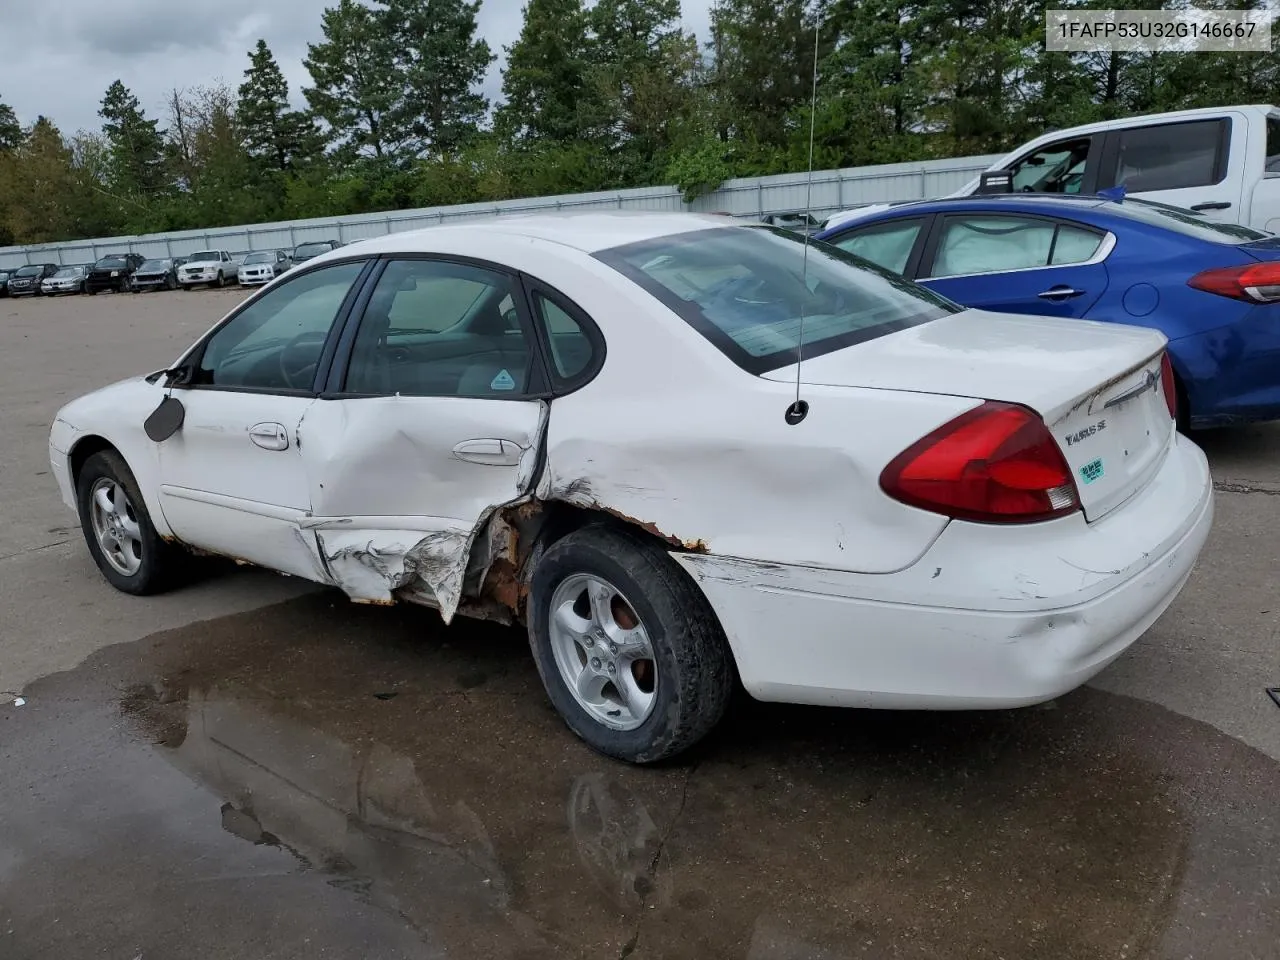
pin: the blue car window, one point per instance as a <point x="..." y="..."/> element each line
<point x="991" y="245"/>
<point x="1074" y="245"/>
<point x="886" y="244"/>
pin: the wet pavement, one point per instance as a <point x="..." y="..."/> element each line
<point x="316" y="779"/>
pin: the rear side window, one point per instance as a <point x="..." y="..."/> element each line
<point x="1273" y="146"/>
<point x="1171" y="156"/>
<point x="748" y="290"/>
<point x="887" y="245"/>
<point x="984" y="244"/>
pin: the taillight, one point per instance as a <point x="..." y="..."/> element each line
<point x="1256" y="283"/>
<point x="1169" y="385"/>
<point x="997" y="463"/>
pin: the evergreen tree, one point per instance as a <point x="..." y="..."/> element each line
<point x="274" y="134"/>
<point x="545" y="74"/>
<point x="137" y="147"/>
<point x="10" y="129"/>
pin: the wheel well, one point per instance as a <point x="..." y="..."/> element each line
<point x="85" y="448"/>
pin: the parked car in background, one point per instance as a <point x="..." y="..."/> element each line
<point x="305" y="251"/>
<point x="5" y="274"/>
<point x="263" y="266"/>
<point x="66" y="280"/>
<point x="160" y="274"/>
<point x="26" y="281"/>
<point x="801" y="223"/>
<point x="1221" y="161"/>
<point x="1007" y="548"/>
<point x="1212" y="288"/>
<point x="217" y="268"/>
<point x="113" y="272"/>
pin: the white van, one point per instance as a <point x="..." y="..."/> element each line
<point x="1223" y="162"/>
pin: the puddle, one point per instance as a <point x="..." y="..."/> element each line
<point x="321" y="779"/>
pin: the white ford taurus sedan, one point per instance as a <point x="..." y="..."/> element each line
<point x="589" y="424"/>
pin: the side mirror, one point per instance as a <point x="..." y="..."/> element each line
<point x="165" y="420"/>
<point x="996" y="181"/>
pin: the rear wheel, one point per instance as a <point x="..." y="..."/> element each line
<point x="118" y="529"/>
<point x="629" y="650"/>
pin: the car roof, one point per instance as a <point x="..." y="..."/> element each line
<point x="1048" y="204"/>
<point x="588" y="231"/>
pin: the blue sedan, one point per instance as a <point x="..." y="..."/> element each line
<point x="1212" y="288"/>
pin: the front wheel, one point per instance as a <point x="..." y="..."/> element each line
<point x="118" y="529"/>
<point x="222" y="280"/>
<point x="629" y="650"/>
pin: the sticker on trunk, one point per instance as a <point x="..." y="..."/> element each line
<point x="1091" y="471"/>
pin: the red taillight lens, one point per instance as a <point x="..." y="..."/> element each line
<point x="995" y="464"/>
<point x="1169" y="385"/>
<point x="1256" y="283"/>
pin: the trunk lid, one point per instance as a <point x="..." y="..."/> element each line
<point x="1096" y="385"/>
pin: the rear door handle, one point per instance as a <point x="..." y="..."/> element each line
<point x="1211" y="205"/>
<point x="1060" y="293"/>
<point x="496" y="453"/>
<point x="269" y="436"/>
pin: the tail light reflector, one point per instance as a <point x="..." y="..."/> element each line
<point x="1255" y="283"/>
<point x="997" y="463"/>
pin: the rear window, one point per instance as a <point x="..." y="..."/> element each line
<point x="1189" y="222"/>
<point x="747" y="290"/>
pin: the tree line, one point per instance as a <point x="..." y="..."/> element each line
<point x="594" y="97"/>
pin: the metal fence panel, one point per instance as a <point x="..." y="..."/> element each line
<point x="828" y="191"/>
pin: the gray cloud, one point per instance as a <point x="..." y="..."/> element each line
<point x="63" y="66"/>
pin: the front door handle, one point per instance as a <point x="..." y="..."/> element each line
<point x="496" y="453"/>
<point x="1212" y="205"/>
<point x="269" y="436"/>
<point x="1060" y="293"/>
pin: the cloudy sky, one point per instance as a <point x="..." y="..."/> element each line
<point x="63" y="62"/>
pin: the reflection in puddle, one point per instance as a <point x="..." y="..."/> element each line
<point x="468" y="816"/>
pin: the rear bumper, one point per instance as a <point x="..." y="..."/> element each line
<point x="989" y="617"/>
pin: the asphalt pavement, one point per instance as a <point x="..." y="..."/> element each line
<point x="254" y="768"/>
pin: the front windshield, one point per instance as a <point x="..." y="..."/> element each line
<point x="259" y="258"/>
<point x="110" y="263"/>
<point x="28" y="272"/>
<point x="203" y="255"/>
<point x="750" y="292"/>
<point x="311" y="250"/>
<point x="66" y="273"/>
<point x="154" y="265"/>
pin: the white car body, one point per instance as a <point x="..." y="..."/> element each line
<point x="1228" y="176"/>
<point x="829" y="590"/>
<point x="219" y="270"/>
<point x="252" y="274"/>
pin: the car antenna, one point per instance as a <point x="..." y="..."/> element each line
<point x="799" y="409"/>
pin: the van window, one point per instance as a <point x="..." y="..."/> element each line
<point x="1171" y="156"/>
<point x="1057" y="168"/>
<point x="1273" y="146"/>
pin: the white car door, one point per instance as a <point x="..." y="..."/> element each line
<point x="232" y="479"/>
<point x="436" y="420"/>
<point x="1198" y="164"/>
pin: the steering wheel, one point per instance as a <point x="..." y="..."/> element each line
<point x="298" y="368"/>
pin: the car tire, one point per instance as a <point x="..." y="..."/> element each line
<point x="690" y="672"/>
<point x="221" y="281"/>
<point x="130" y="553"/>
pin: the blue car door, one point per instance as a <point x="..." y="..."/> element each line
<point x="1017" y="263"/>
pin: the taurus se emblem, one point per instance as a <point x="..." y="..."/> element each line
<point x="1150" y="381"/>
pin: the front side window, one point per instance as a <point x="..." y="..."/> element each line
<point x="887" y="245"/>
<point x="985" y="244"/>
<point x="276" y="341"/>
<point x="436" y="328"/>
<point x="1170" y="156"/>
<point x="1058" y="168"/>
<point x="751" y="293"/>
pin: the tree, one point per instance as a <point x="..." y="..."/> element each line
<point x="356" y="91"/>
<point x="38" y="182"/>
<point x="441" y="64"/>
<point x="545" y="74"/>
<point x="274" y="134"/>
<point x="137" y="147"/>
<point x="10" y="129"/>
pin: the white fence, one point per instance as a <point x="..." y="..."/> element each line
<point x="833" y="190"/>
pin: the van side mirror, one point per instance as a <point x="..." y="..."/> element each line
<point x="996" y="181"/>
